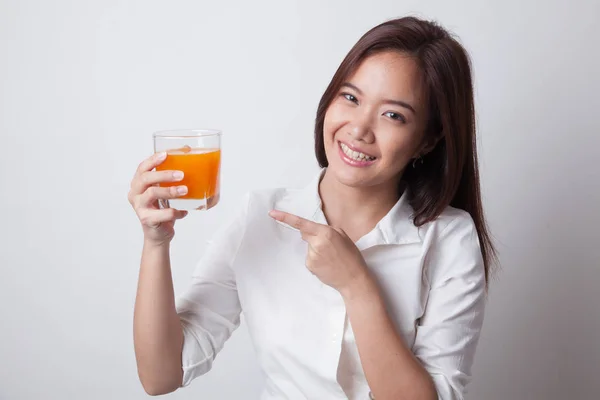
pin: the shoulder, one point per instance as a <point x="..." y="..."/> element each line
<point x="453" y="247"/>
<point x="450" y="222"/>
<point x="270" y="196"/>
<point x="267" y="199"/>
<point x="249" y="215"/>
<point x="260" y="201"/>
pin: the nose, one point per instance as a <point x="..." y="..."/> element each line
<point x="361" y="127"/>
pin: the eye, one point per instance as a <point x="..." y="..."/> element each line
<point x="396" y="116"/>
<point x="350" y="97"/>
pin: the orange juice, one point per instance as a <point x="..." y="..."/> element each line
<point x="200" y="171"/>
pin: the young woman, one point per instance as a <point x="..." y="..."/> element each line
<point x="368" y="283"/>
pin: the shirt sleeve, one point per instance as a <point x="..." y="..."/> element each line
<point x="448" y="332"/>
<point x="209" y="308"/>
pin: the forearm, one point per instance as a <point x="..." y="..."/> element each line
<point x="158" y="335"/>
<point x="391" y="369"/>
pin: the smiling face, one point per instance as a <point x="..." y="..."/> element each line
<point x="375" y="124"/>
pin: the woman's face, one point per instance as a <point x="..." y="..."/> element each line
<point x="375" y="125"/>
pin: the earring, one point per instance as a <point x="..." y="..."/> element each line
<point x="419" y="159"/>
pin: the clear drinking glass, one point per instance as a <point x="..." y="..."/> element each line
<point x="196" y="152"/>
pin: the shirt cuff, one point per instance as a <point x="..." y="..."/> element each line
<point x="194" y="361"/>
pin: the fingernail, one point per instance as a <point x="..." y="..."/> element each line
<point x="178" y="175"/>
<point x="182" y="189"/>
<point x="162" y="155"/>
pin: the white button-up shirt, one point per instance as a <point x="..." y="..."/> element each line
<point x="431" y="278"/>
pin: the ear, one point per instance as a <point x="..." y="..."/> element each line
<point x="430" y="144"/>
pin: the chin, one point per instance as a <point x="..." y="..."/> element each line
<point x="350" y="179"/>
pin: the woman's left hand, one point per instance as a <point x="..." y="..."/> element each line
<point x="332" y="256"/>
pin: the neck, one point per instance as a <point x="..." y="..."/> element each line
<point x="356" y="210"/>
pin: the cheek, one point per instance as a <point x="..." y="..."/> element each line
<point x="398" y="149"/>
<point x="334" y="119"/>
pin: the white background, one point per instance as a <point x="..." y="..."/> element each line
<point x="84" y="84"/>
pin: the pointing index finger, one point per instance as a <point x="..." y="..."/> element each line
<point x="303" y="225"/>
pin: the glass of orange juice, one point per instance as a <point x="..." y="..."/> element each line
<point x="197" y="153"/>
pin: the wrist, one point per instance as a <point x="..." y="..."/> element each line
<point x="157" y="245"/>
<point x="361" y="287"/>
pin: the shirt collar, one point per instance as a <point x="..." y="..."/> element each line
<point x="396" y="227"/>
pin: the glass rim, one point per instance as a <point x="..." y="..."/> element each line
<point x="186" y="133"/>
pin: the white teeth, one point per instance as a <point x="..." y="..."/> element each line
<point x="355" y="155"/>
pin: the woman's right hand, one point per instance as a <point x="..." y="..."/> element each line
<point x="157" y="224"/>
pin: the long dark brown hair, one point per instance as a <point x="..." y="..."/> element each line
<point x="448" y="175"/>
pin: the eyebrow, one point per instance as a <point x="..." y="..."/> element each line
<point x="387" y="101"/>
